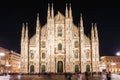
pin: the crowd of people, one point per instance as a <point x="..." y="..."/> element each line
<point x="79" y="75"/>
<point x="104" y="75"/>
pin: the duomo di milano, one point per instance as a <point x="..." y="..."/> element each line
<point x="59" y="45"/>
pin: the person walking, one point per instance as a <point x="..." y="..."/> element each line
<point x="69" y="75"/>
<point x="108" y="75"/>
<point x="103" y="76"/>
<point x="79" y="77"/>
<point x="19" y="76"/>
<point x="86" y="75"/>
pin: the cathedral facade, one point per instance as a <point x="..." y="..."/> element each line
<point x="59" y="45"/>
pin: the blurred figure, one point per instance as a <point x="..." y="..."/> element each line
<point x="86" y="75"/>
<point x="109" y="75"/>
<point x="103" y="75"/>
<point x="69" y="76"/>
<point x="79" y="76"/>
<point x="19" y="76"/>
<point x="8" y="76"/>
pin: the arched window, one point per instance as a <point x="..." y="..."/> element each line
<point x="32" y="56"/>
<point x="76" y="44"/>
<point x="59" y="31"/>
<point x="43" y="55"/>
<point x="43" y="44"/>
<point x="59" y="46"/>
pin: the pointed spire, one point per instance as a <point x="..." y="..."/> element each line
<point x="92" y="32"/>
<point x="81" y="20"/>
<point x="26" y="26"/>
<point x="81" y="23"/>
<point x="38" y="24"/>
<point x="96" y="32"/>
<point x="70" y="11"/>
<point x="26" y="33"/>
<point x="48" y="11"/>
<point x="52" y="12"/>
<point x="38" y="21"/>
<point x="66" y="11"/>
<point x="23" y="31"/>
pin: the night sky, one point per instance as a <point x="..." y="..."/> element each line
<point x="105" y="14"/>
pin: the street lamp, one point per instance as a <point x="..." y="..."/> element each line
<point x="118" y="53"/>
<point x="1" y="55"/>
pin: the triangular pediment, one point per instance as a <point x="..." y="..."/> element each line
<point x="59" y="17"/>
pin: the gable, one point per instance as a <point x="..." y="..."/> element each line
<point x="59" y="18"/>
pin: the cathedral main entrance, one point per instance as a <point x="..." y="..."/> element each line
<point x="60" y="66"/>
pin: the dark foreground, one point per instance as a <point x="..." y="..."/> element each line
<point x="50" y="77"/>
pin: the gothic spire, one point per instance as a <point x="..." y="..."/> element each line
<point x="52" y="12"/>
<point x="48" y="11"/>
<point x="81" y="22"/>
<point x="26" y="32"/>
<point x="92" y="33"/>
<point x="38" y="24"/>
<point x="96" y="32"/>
<point x="38" y="21"/>
<point x="66" y="11"/>
<point x="70" y="11"/>
<point x="23" y="31"/>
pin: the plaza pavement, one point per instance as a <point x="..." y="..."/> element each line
<point x="52" y="77"/>
<point x="115" y="77"/>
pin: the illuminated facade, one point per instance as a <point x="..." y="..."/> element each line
<point x="10" y="62"/>
<point x="59" y="45"/>
<point x="14" y="61"/>
<point x="3" y="59"/>
<point x="111" y="63"/>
